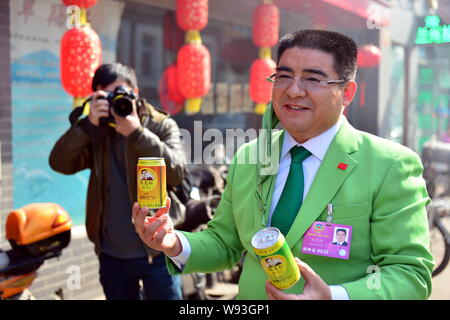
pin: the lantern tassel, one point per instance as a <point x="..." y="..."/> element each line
<point x="260" y="108"/>
<point x="193" y="105"/>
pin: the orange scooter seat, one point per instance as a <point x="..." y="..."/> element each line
<point x="37" y="223"/>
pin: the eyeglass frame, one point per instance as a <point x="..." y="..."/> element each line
<point x="324" y="83"/>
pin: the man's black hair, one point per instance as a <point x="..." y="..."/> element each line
<point x="343" y="230"/>
<point x="108" y="73"/>
<point x="341" y="47"/>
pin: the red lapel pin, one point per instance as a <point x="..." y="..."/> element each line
<point x="342" y="166"/>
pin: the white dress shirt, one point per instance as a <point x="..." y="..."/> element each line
<point x="318" y="146"/>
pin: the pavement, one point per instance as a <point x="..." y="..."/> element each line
<point x="441" y="286"/>
<point x="441" y="282"/>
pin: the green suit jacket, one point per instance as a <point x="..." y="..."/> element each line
<point x="381" y="194"/>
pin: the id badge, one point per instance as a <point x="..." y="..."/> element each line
<point x="328" y="240"/>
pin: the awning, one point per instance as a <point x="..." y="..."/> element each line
<point x="348" y="13"/>
<point x="367" y="9"/>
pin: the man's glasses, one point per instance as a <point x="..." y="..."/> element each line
<point x="283" y="81"/>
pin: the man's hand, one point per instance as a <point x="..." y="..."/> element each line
<point x="99" y="107"/>
<point x="315" y="287"/>
<point x="126" y="125"/>
<point x="157" y="232"/>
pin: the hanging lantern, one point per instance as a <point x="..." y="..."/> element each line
<point x="170" y="76"/>
<point x="83" y="4"/>
<point x="369" y="56"/>
<point x="194" y="61"/>
<point x="192" y="14"/>
<point x="169" y="96"/>
<point x="266" y="22"/>
<point x="260" y="88"/>
<point x="80" y="3"/>
<point x="173" y="36"/>
<point x="193" y="74"/>
<point x="80" y="56"/>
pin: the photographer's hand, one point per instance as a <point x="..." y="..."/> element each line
<point x="126" y="125"/>
<point x="99" y="108"/>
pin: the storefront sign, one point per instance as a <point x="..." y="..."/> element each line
<point x="433" y="32"/>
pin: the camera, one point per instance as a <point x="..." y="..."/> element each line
<point x="121" y="101"/>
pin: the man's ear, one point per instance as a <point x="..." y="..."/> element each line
<point x="136" y="91"/>
<point x="349" y="92"/>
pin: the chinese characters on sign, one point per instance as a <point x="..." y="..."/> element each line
<point x="433" y="32"/>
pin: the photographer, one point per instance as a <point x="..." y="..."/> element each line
<point x="120" y="128"/>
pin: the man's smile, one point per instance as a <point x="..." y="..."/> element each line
<point x="294" y="107"/>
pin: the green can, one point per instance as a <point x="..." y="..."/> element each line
<point x="276" y="258"/>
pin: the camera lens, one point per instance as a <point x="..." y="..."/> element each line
<point x="122" y="106"/>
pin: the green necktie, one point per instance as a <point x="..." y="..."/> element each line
<point x="292" y="196"/>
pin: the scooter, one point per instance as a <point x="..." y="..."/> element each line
<point x="36" y="232"/>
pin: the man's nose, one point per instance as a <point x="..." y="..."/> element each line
<point x="296" y="89"/>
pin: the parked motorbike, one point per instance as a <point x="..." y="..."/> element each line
<point x="36" y="232"/>
<point x="208" y="185"/>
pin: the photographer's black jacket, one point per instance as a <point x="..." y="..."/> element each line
<point x="83" y="146"/>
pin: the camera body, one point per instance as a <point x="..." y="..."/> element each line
<point x="121" y="101"/>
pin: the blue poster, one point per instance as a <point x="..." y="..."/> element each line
<point x="40" y="110"/>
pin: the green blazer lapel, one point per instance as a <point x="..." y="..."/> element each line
<point x="266" y="182"/>
<point x="327" y="182"/>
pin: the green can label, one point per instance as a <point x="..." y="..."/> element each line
<point x="276" y="258"/>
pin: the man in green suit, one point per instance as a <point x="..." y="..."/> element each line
<point x="373" y="185"/>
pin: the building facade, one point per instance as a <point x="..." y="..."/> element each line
<point x="399" y="98"/>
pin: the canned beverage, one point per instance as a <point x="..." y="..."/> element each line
<point x="151" y="183"/>
<point x="276" y="258"/>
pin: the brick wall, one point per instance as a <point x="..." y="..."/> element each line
<point x="5" y="119"/>
<point x="75" y="272"/>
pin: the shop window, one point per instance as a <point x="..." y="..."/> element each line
<point x="148" y="54"/>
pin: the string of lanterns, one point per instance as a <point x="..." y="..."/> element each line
<point x="188" y="78"/>
<point x="193" y="69"/>
<point x="80" y="54"/>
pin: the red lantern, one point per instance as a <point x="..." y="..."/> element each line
<point x="81" y="3"/>
<point x="266" y="22"/>
<point x="169" y="96"/>
<point x="173" y="36"/>
<point x="194" y="70"/>
<point x="81" y="54"/>
<point x="192" y="14"/>
<point x="260" y="88"/>
<point x="172" y="84"/>
<point x="369" y="56"/>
